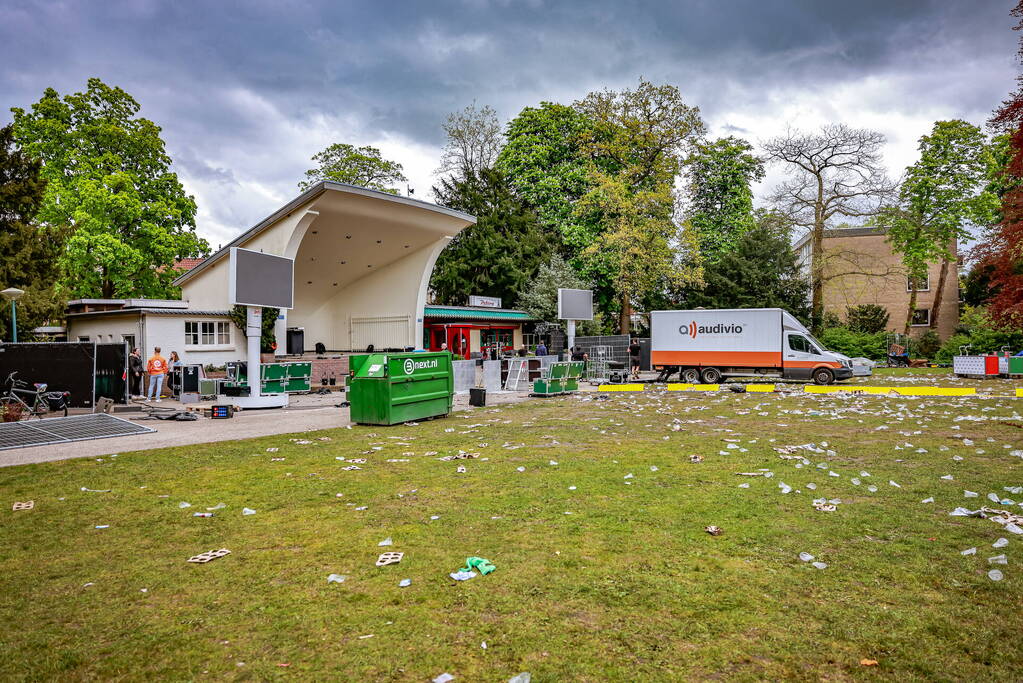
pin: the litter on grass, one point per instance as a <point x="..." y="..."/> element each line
<point x="480" y="564"/>
<point x="248" y="511"/>
<point x="336" y="578"/>
<point x="387" y="541"/>
<point x="389" y="558"/>
<point x="209" y="555"/>
<point x="462" y="576"/>
<point x="714" y="530"/>
<point x="27" y="505"/>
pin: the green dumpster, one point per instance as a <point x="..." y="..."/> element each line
<point x="391" y="388"/>
<point x="1016" y="365"/>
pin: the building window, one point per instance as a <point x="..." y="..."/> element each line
<point x="83" y="339"/>
<point x="207" y="333"/>
<point x="921" y="317"/>
<point x="923" y="284"/>
<point x="129" y="339"/>
<point x="501" y="339"/>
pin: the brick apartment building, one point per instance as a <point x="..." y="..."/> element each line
<point x="861" y="268"/>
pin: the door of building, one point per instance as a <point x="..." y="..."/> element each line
<point x="458" y="341"/>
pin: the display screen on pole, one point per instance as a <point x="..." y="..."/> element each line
<point x="575" y="304"/>
<point x="258" y="279"/>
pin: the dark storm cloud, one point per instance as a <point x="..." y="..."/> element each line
<point x="220" y="77"/>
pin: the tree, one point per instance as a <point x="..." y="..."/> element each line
<point x="28" y="253"/>
<point x="474" y="140"/>
<point x="760" y="271"/>
<point x="1002" y="247"/>
<point x="267" y="337"/>
<point x="867" y="318"/>
<point x="109" y="185"/>
<point x="940" y="195"/>
<point x="836" y="172"/>
<point x="540" y="296"/>
<point x="720" y="198"/>
<point x="634" y="153"/>
<point x="362" y="166"/>
<point x="500" y="254"/>
<point x="544" y="163"/>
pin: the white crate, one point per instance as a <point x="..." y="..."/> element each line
<point x="968" y="365"/>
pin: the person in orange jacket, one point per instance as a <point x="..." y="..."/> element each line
<point x="156" y="368"/>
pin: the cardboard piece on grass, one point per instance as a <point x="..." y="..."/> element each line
<point x="27" y="505"/>
<point x="389" y="558"/>
<point x="209" y="555"/>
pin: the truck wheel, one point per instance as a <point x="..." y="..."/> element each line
<point x="823" y="376"/>
<point x="691" y="375"/>
<point x="711" y="375"/>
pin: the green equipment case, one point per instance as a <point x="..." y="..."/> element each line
<point x="392" y="388"/>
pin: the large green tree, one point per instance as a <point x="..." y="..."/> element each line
<point x="110" y="185"/>
<point x="720" y="195"/>
<point x="497" y="256"/>
<point x="544" y="163"/>
<point x="28" y="252"/>
<point x="362" y="166"/>
<point x="942" y="194"/>
<point x="760" y="271"/>
<point x="633" y="153"/>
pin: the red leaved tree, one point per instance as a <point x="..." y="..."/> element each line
<point x="1002" y="248"/>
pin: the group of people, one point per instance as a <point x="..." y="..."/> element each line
<point x="155" y="369"/>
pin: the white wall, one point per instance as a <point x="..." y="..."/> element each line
<point x="165" y="331"/>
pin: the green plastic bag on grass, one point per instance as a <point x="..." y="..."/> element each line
<point x="480" y="564"/>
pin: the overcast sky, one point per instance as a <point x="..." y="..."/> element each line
<point x="247" y="92"/>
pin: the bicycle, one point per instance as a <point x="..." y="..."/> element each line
<point x="37" y="402"/>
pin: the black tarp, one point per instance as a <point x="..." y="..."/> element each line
<point x="64" y="366"/>
<point x="85" y="369"/>
<point x="111" y="371"/>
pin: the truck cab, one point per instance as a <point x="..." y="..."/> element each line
<point x="805" y="358"/>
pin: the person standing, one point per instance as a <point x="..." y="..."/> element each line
<point x="173" y="365"/>
<point x="541" y="349"/>
<point x="156" y="368"/>
<point x="634" y="358"/>
<point x="135" y="369"/>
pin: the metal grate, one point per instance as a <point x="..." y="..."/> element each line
<point x="54" y="430"/>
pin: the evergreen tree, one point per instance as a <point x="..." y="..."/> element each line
<point x="28" y="253"/>
<point x="760" y="272"/>
<point x="498" y="255"/>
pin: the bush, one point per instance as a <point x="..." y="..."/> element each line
<point x="868" y="318"/>
<point x="978" y="331"/>
<point x="927" y="345"/>
<point x="855" y="344"/>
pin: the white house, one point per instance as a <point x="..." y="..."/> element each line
<point x="363" y="261"/>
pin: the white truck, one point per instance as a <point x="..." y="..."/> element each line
<point x="707" y="345"/>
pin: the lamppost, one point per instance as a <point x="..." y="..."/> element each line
<point x="12" y="294"/>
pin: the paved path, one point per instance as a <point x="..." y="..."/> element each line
<point x="307" y="413"/>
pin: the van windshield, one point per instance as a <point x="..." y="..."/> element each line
<point x="821" y="349"/>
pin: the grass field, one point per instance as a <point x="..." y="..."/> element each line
<point x="614" y="580"/>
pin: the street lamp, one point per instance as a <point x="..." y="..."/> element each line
<point x="12" y="294"/>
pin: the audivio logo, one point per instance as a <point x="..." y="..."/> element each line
<point x="413" y="365"/>
<point x="692" y="329"/>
